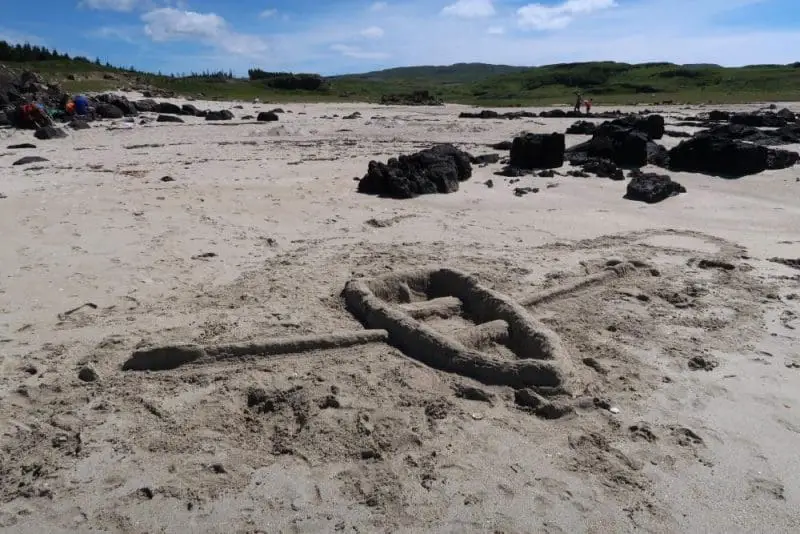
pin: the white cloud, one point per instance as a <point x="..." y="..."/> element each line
<point x="378" y="6"/>
<point x="470" y="9"/>
<point x="125" y="34"/>
<point x="373" y="32"/>
<point x="267" y="13"/>
<point x="356" y="52"/>
<point x="169" y="24"/>
<point x="112" y="5"/>
<point x="542" y="17"/>
<point x="496" y="30"/>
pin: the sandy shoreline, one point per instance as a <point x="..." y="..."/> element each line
<point x="276" y="204"/>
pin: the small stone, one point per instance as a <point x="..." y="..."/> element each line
<point x="167" y="179"/>
<point x="88" y="374"/>
<point x="330" y="402"/>
<point x="218" y="469"/>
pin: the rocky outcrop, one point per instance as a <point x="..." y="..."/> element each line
<point x="582" y="128"/>
<point x="603" y="169"/>
<point x="267" y="116"/>
<point x="222" y="115"/>
<point x="49" y="132"/>
<point x="435" y="170"/>
<point x="719" y="156"/>
<point x="127" y="107"/>
<point x="651" y="125"/>
<point x="622" y="146"/>
<point x="146" y="105"/>
<point x="108" y="111"/>
<point x="652" y="187"/>
<point x="537" y="151"/>
<point x="168" y="108"/>
<point x="489" y="114"/>
<point x="169" y="118"/>
<point x="191" y="110"/>
<point x="758" y="120"/>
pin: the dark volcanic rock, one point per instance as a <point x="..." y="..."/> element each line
<point x="758" y="120"/>
<point x="561" y="114"/>
<point x="484" y="159"/>
<point x="222" y="115"/>
<point x="191" y="110"/>
<point x="489" y="114"/>
<point x="676" y="133"/>
<point x="20" y="146"/>
<point x="538" y="151"/>
<point x="49" y="132"/>
<point x="719" y="156"/>
<point x="128" y="108"/>
<point x="434" y="170"/>
<point x="652" y="125"/>
<point x="785" y="135"/>
<point x="168" y="118"/>
<point x="267" y="116"/>
<point x="415" y="98"/>
<point x="168" y="108"/>
<point x="717" y="115"/>
<point x="485" y="114"/>
<point x="604" y="169"/>
<point x="502" y="145"/>
<point x="787" y="115"/>
<point x="77" y="124"/>
<point x="652" y="187"/>
<point x="27" y="160"/>
<point x="4" y="121"/>
<point x="582" y="128"/>
<point x="146" y="105"/>
<point x="108" y="111"/>
<point x="623" y="146"/>
<point x="781" y="159"/>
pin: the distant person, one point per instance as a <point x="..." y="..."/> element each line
<point x="578" y="101"/>
<point x="588" y="105"/>
<point x="81" y="105"/>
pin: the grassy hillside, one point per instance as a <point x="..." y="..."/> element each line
<point x="459" y="73"/>
<point x="471" y="83"/>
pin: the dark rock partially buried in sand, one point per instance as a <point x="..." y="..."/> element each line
<point x="785" y="135"/>
<point x="484" y="159"/>
<point x="759" y="120"/>
<point x="109" y="111"/>
<point x="718" y="156"/>
<point x="146" y="105"/>
<point x="168" y="108"/>
<point x="651" y="187"/>
<point x="191" y="110"/>
<point x="537" y="151"/>
<point x="582" y="128"/>
<point x="489" y="114"/>
<point x="434" y="170"/>
<point x="222" y="115"/>
<point x="49" y="132"/>
<point x="623" y="146"/>
<point x="652" y="125"/>
<point x="604" y="169"/>
<point x="169" y="118"/>
<point x="267" y="116"/>
<point x="77" y="124"/>
<point x="27" y="160"/>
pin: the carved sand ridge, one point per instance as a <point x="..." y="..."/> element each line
<point x="393" y="308"/>
<point x="396" y="302"/>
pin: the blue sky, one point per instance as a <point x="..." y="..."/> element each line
<point x="341" y="36"/>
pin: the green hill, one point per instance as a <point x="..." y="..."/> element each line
<point x="477" y="84"/>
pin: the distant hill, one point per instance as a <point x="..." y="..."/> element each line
<point x="457" y="73"/>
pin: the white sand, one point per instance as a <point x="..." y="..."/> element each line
<point x="277" y="204"/>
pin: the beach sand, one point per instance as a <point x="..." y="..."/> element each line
<point x="685" y="376"/>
